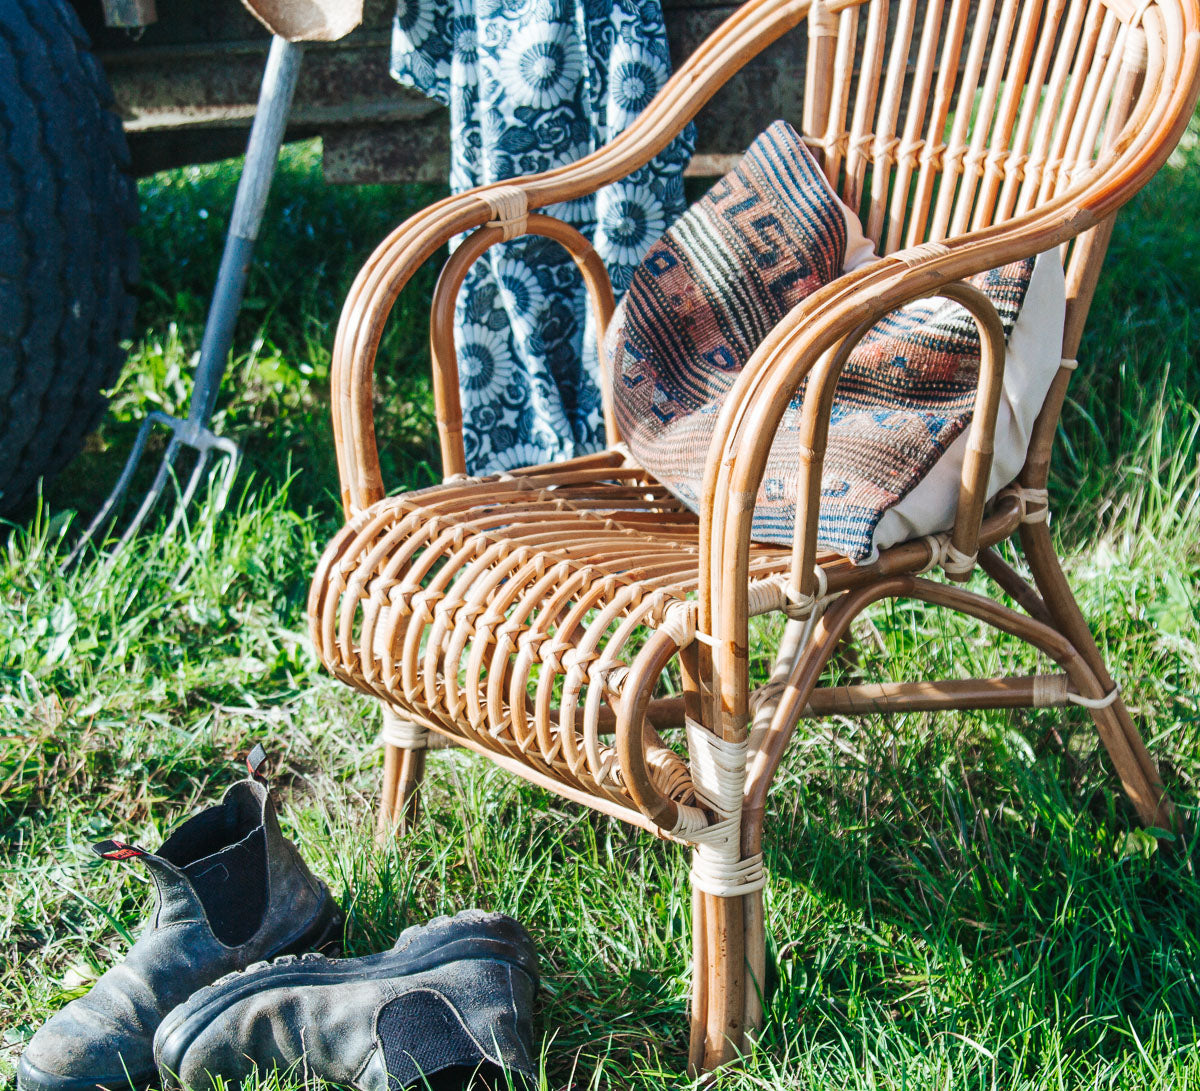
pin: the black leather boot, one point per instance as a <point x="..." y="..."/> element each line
<point x="232" y="890"/>
<point x="450" y="1002"/>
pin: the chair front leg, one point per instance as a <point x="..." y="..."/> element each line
<point x="728" y="976"/>
<point x="404" y="747"/>
<point x="718" y="980"/>
<point x="728" y="936"/>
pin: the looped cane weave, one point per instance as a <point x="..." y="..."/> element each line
<point x="405" y="734"/>
<point x="763" y="596"/>
<point x="1095" y="702"/>
<point x="679" y="623"/>
<point x="722" y="873"/>
<point x="914" y="255"/>
<point x="765" y="697"/>
<point x="932" y="153"/>
<point x="860" y="145"/>
<point x="798" y="605"/>
<point x="995" y="160"/>
<point x="1049" y="690"/>
<point x="936" y="543"/>
<point x="958" y="563"/>
<point x="1026" y="497"/>
<point x="884" y="150"/>
<point x="510" y="210"/>
<point x="718" y="769"/>
<point x="690" y="824"/>
<point x="944" y="553"/>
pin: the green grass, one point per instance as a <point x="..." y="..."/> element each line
<point x="954" y="902"/>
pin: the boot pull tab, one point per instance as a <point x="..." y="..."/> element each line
<point x="117" y="850"/>
<point x="255" y="761"/>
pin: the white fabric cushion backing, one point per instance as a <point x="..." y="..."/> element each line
<point x="1032" y="361"/>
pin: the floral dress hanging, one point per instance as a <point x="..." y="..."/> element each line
<point x="531" y="85"/>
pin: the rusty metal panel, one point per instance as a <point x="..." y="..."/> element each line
<point x="418" y="152"/>
<point x="199" y="68"/>
<point x="172" y="86"/>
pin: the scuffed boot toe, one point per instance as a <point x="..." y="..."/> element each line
<point x="81" y="1051"/>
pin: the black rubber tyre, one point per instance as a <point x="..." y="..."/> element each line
<point x="68" y="260"/>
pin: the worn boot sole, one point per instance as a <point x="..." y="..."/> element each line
<point x="322" y="931"/>
<point x="467" y="936"/>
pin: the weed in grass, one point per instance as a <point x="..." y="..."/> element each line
<point x="954" y="901"/>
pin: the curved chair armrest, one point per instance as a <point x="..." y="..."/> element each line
<point x="812" y="342"/>
<point x="972" y="494"/>
<point x="748" y="31"/>
<point x="805" y="344"/>
<point x="443" y="352"/>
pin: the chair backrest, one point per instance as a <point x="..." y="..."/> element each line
<point x="937" y="117"/>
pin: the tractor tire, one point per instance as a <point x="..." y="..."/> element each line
<point x="68" y="260"/>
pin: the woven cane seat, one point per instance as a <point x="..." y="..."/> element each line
<point x="505" y="611"/>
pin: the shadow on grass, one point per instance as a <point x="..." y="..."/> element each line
<point x="930" y="887"/>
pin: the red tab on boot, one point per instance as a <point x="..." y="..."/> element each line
<point x="117" y="850"/>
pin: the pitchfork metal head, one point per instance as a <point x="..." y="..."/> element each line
<point x="209" y="448"/>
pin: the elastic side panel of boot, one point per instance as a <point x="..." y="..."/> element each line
<point x="232" y="887"/>
<point x="425" y="1044"/>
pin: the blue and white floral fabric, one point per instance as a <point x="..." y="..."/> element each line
<point x="531" y="85"/>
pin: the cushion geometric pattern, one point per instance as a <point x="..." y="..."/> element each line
<point x="767" y="235"/>
<point x="708" y="291"/>
<point x="906" y="393"/>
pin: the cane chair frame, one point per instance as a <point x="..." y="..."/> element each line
<point x="465" y="607"/>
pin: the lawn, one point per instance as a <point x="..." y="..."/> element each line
<point x="954" y="902"/>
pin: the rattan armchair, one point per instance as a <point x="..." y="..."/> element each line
<point x="529" y="616"/>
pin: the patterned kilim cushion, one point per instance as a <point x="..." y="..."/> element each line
<point x="709" y="291"/>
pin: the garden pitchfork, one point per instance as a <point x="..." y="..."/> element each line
<point x="262" y="153"/>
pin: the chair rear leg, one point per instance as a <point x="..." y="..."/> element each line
<point x="1120" y="735"/>
<point x="404" y="748"/>
<point x="1139" y="776"/>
